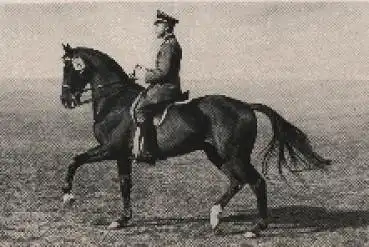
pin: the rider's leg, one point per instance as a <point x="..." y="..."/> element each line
<point x="149" y="135"/>
<point x="147" y="130"/>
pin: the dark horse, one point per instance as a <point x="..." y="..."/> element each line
<point x="224" y="128"/>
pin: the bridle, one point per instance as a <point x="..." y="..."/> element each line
<point x="101" y="86"/>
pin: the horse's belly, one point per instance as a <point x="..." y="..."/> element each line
<point x="175" y="137"/>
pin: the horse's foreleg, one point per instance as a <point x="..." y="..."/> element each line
<point x="125" y="181"/>
<point x="68" y="197"/>
<point x="98" y="153"/>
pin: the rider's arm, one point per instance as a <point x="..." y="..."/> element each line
<point x="163" y="65"/>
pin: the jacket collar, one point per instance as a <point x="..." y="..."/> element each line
<point x="168" y="37"/>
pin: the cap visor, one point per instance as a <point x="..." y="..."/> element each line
<point x="160" y="21"/>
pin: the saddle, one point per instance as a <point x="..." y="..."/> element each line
<point x="160" y="114"/>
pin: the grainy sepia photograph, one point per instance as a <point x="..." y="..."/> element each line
<point x="184" y="123"/>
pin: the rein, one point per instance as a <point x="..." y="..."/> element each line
<point x="100" y="87"/>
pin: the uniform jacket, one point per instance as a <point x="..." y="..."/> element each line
<point x="164" y="79"/>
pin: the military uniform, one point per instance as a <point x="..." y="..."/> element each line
<point x="164" y="79"/>
<point x="164" y="87"/>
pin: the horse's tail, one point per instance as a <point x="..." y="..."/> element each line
<point x="285" y="135"/>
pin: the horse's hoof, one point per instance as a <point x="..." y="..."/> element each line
<point x="250" y="235"/>
<point x="261" y="225"/>
<point x="115" y="225"/>
<point x="118" y="224"/>
<point x="68" y="199"/>
<point x="215" y="212"/>
<point x="218" y="230"/>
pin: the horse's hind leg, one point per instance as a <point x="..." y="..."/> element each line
<point x="233" y="188"/>
<point x="98" y="153"/>
<point x="258" y="186"/>
<point x="239" y="172"/>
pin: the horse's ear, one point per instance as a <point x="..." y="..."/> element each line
<point x="67" y="48"/>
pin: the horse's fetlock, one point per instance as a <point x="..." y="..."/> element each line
<point x="66" y="188"/>
<point x="127" y="213"/>
<point x="79" y="158"/>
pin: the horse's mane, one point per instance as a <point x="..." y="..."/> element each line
<point x="103" y="58"/>
<point x="109" y="65"/>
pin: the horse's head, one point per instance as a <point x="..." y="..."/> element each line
<point x="74" y="77"/>
<point x="85" y="65"/>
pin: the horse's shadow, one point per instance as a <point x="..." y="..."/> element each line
<point x="299" y="219"/>
<point x="287" y="220"/>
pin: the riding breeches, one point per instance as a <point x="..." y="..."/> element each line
<point x="154" y="99"/>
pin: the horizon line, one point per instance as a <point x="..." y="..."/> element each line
<point x="210" y="78"/>
<point x="165" y="1"/>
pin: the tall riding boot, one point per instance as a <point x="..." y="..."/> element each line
<point x="148" y="134"/>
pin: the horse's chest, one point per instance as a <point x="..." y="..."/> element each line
<point x="103" y="130"/>
<point x="100" y="133"/>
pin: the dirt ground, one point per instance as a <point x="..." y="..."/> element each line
<point x="171" y="201"/>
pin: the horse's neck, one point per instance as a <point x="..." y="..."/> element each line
<point x="108" y="96"/>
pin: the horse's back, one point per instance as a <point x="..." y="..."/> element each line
<point x="211" y="107"/>
<point x="213" y="119"/>
<point x="226" y="113"/>
<point x="224" y="107"/>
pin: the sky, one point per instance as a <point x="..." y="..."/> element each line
<point x="240" y="40"/>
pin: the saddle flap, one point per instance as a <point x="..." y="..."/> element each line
<point x="160" y="116"/>
<point x="160" y="111"/>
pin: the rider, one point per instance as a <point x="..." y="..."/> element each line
<point x="164" y="83"/>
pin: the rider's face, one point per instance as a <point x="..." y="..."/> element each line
<point x="160" y="29"/>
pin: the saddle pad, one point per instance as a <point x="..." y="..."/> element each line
<point x="159" y="118"/>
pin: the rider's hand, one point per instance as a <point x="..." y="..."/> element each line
<point x="140" y="72"/>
